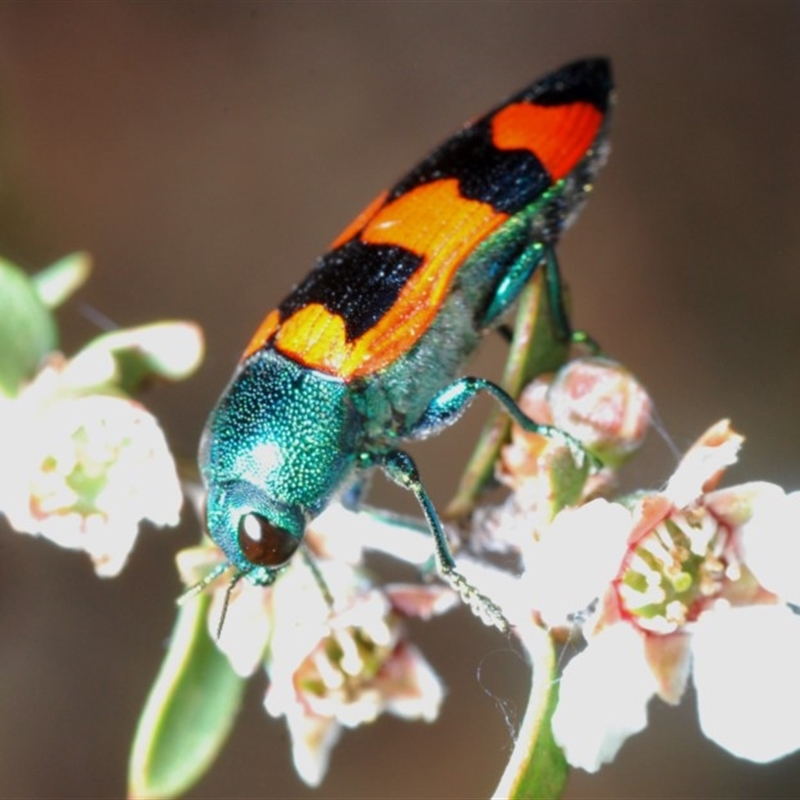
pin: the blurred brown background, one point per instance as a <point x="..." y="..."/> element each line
<point x="205" y="153"/>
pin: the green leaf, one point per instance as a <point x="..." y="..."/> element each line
<point x="57" y="282"/>
<point x="128" y="357"/>
<point x="189" y="713"/>
<point x="27" y="329"/>
<point x="537" y="769"/>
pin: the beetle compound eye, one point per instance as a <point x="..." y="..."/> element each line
<point x="265" y="544"/>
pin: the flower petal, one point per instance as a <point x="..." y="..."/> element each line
<point x="576" y="558"/>
<point x="703" y="463"/>
<point x="736" y="505"/>
<point x="313" y="739"/>
<point x="771" y="541"/>
<point x="746" y="663"/>
<point x="603" y="698"/>
<point x="409" y="686"/>
<point x="244" y="636"/>
<point x="424" y="602"/>
<point x="670" y="659"/>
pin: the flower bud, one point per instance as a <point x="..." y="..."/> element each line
<point x="602" y="405"/>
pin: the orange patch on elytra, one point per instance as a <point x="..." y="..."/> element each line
<point x="432" y="218"/>
<point x="358" y="223"/>
<point x="558" y="136"/>
<point x="265" y="330"/>
<point x="435" y="222"/>
<point x="316" y="337"/>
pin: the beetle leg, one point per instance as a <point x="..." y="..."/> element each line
<point x="516" y="273"/>
<point x="447" y="406"/>
<point x="555" y="296"/>
<point x="400" y="467"/>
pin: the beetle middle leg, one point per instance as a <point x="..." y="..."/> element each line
<point x="535" y="256"/>
<point x="555" y="294"/>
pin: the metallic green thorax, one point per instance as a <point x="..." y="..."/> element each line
<point x="279" y="443"/>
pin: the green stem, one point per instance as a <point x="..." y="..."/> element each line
<point x="537" y="768"/>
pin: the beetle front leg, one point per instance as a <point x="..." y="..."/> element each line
<point x="400" y="467"/>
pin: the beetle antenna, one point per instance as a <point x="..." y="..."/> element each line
<point x="228" y="591"/>
<point x="311" y="563"/>
<point x="198" y="587"/>
<point x="195" y="590"/>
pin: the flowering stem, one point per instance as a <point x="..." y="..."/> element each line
<point x="537" y="768"/>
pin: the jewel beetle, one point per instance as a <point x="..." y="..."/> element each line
<point x="366" y="352"/>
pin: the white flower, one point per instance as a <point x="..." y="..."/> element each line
<point x="336" y="656"/>
<point x="340" y="668"/>
<point x="686" y="600"/>
<point x="771" y="541"/>
<point x="84" y="469"/>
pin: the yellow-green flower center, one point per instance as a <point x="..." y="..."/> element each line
<point x="348" y="660"/>
<point x="73" y="478"/>
<point x="673" y="570"/>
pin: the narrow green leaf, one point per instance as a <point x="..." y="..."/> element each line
<point x="27" y="329"/>
<point x="537" y="769"/>
<point x="56" y="283"/>
<point x="171" y="350"/>
<point x="189" y="713"/>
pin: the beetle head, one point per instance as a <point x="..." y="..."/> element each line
<point x="257" y="535"/>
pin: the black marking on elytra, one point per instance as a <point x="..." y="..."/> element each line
<point x="358" y="281"/>
<point x="509" y="180"/>
<point x="587" y="81"/>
